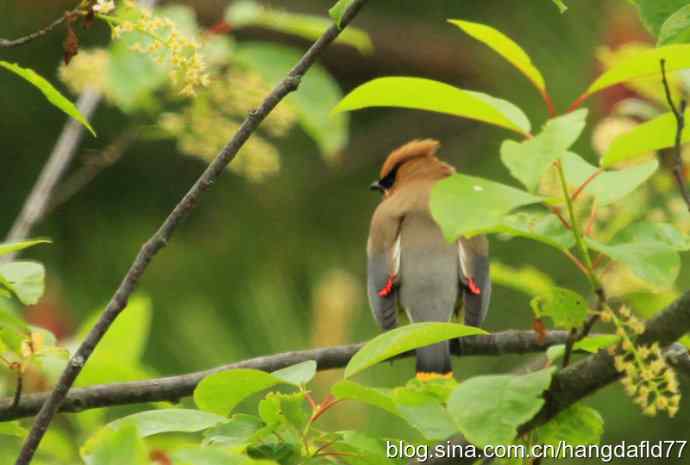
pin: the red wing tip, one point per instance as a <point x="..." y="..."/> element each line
<point x="472" y="286"/>
<point x="386" y="290"/>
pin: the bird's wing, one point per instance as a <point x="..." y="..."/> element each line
<point x="475" y="280"/>
<point x="383" y="268"/>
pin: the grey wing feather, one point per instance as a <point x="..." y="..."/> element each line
<point x="379" y="268"/>
<point x="474" y="263"/>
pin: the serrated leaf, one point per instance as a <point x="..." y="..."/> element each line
<point x="10" y="247"/>
<point x="592" y="344"/>
<point x="298" y="374"/>
<point x="278" y="409"/>
<point x="429" y="95"/>
<point x="647" y="255"/>
<point x="529" y="159"/>
<point x="465" y="205"/>
<point x="338" y="10"/>
<point x="609" y="186"/>
<point x="377" y="397"/>
<point x="318" y="93"/>
<point x="24" y="279"/>
<point x="51" y="93"/>
<point x="676" y="28"/>
<point x="403" y="339"/>
<point x="489" y="409"/>
<point x="168" y="420"/>
<point x="577" y="425"/>
<point x="249" y="13"/>
<point x="644" y="64"/>
<point x="506" y="47"/>
<point x="644" y="139"/>
<point x="566" y="308"/>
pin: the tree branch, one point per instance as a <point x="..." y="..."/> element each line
<point x="119" y="300"/>
<point x="679" y="114"/>
<point x="172" y="388"/>
<point x="8" y="43"/>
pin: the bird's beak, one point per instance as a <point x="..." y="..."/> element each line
<point x="376" y="186"/>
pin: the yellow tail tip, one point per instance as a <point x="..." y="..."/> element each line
<point x="429" y="376"/>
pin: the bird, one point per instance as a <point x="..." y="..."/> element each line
<point x="411" y="266"/>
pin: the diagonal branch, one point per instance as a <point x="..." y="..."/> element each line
<point x="8" y="43"/>
<point x="119" y="300"/>
<point x="173" y="388"/>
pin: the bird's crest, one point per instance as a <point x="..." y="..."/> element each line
<point x="414" y="149"/>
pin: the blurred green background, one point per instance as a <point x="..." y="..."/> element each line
<point x="266" y="267"/>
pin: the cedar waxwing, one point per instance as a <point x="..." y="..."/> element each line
<point x="411" y="265"/>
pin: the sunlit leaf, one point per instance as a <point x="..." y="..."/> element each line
<point x="609" y="186"/>
<point x="566" y="308"/>
<point x="562" y="7"/>
<point x="644" y="139"/>
<point x="12" y="428"/>
<point x="466" y="205"/>
<point x="25" y="279"/>
<point x="318" y="92"/>
<point x="169" y="420"/>
<point x="577" y="425"/>
<point x="527" y="279"/>
<point x="426" y="94"/>
<point x="506" y="47"/>
<point x="529" y="159"/>
<point x="598" y="341"/>
<point x="51" y="93"/>
<point x="644" y="64"/>
<point x="488" y="409"/>
<point x="403" y="339"/>
<point x="10" y="247"/>
<point x="249" y="13"/>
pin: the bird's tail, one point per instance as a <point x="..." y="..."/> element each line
<point x="434" y="361"/>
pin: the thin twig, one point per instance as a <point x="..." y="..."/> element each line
<point x="18" y="389"/>
<point x="173" y="388"/>
<point x="129" y="283"/>
<point x="679" y="113"/>
<point x="586" y="182"/>
<point x="8" y="43"/>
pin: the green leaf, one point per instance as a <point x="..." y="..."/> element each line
<point x="25" y="279"/>
<point x="506" y="47"/>
<point x="403" y="339"/>
<point x="249" y="13"/>
<point x="363" y="450"/>
<point x="676" y="28"/>
<point x="235" y="432"/>
<point x="489" y="409"/>
<point x="278" y="409"/>
<point x="221" y="392"/>
<point x="643" y="64"/>
<point x="168" y="420"/>
<point x="51" y="93"/>
<point x="10" y="247"/>
<point x="562" y="7"/>
<point x="664" y="233"/>
<point x="577" y="425"/>
<point x="566" y="308"/>
<point x="644" y="139"/>
<point x="426" y="94"/>
<point x="555" y="352"/>
<point x="338" y="10"/>
<point x="592" y="344"/>
<point x="425" y="413"/>
<point x="376" y="397"/>
<point x="655" y="12"/>
<point x="12" y="428"/>
<point x="118" y="355"/>
<point x="528" y="160"/>
<point x="465" y="205"/>
<point x="207" y="456"/>
<point x="609" y="186"/>
<point x="298" y="374"/>
<point x="538" y="226"/>
<point x="648" y="256"/>
<point x="318" y="93"/>
<point x="115" y="448"/>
